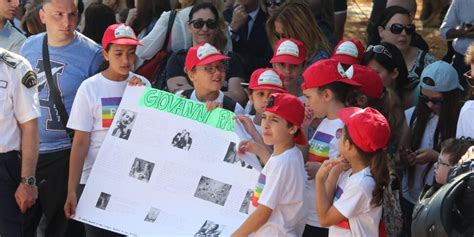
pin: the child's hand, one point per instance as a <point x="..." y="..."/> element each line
<point x="247" y="146"/>
<point x="211" y="105"/>
<point x="70" y="206"/>
<point x="426" y="155"/>
<point x="323" y="172"/>
<point x="311" y="169"/>
<point x="340" y="164"/>
<point x="135" y="81"/>
<point x="247" y="122"/>
<point x="308" y="116"/>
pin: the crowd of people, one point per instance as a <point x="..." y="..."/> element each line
<point x="353" y="134"/>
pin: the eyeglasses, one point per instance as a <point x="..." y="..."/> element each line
<point x="441" y="162"/>
<point x="435" y="101"/>
<point x="212" y="69"/>
<point x="198" y="24"/>
<point x="379" y="49"/>
<point x="468" y="78"/>
<point x="276" y="3"/>
<point x="397" y="28"/>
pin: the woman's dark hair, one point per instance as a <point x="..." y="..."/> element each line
<point x="97" y="18"/>
<point x="220" y="40"/>
<point x="148" y="11"/>
<point x="33" y="20"/>
<point x="378" y="163"/>
<point x="446" y="127"/>
<point x="385" y="17"/>
<point x="340" y="90"/>
<point x="390" y="64"/>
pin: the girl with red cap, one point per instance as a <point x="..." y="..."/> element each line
<point x="278" y="199"/>
<point x="350" y="189"/>
<point x="94" y="108"/>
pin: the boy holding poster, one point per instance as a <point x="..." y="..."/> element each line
<point x="279" y="195"/>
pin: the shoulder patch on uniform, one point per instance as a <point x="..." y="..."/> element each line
<point x="29" y="79"/>
<point x="9" y="59"/>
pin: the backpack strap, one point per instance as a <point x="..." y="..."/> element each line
<point x="229" y="104"/>
<point x="420" y="67"/>
<point x="187" y="93"/>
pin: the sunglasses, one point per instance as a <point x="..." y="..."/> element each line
<point x="212" y="69"/>
<point x="379" y="49"/>
<point x="435" y="101"/>
<point x="198" y="24"/>
<point x="468" y="78"/>
<point x="397" y="28"/>
<point x="276" y="3"/>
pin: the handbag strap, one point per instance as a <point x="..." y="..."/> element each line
<point x="168" y="30"/>
<point x="53" y="88"/>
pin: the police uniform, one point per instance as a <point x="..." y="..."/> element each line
<point x="18" y="104"/>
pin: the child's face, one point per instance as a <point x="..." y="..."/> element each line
<point x="316" y="102"/>
<point x="442" y="168"/>
<point x="259" y="99"/>
<point x="208" y="78"/>
<point x="275" y="129"/>
<point x="121" y="58"/>
<point x="290" y="71"/>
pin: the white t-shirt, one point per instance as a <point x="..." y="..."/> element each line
<point x="93" y="110"/>
<point x="352" y="199"/>
<point x="322" y="146"/>
<point x="280" y="187"/>
<point x="238" y="109"/>
<point x="465" y="122"/>
<point x="412" y="194"/>
<point x="18" y="103"/>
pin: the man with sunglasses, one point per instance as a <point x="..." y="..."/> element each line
<point x="249" y="39"/>
<point x="11" y="38"/>
<point x="457" y="25"/>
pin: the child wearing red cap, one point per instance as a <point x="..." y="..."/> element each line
<point x="289" y="59"/>
<point x="350" y="189"/>
<point x="263" y="83"/>
<point x="349" y="52"/>
<point x="326" y="85"/>
<point x="205" y="68"/>
<point x="278" y="198"/>
<point x="94" y="108"/>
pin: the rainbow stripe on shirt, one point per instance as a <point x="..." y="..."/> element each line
<point x="109" y="108"/>
<point x="258" y="190"/>
<point x="319" y="147"/>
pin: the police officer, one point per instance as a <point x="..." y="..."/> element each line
<point x="19" y="110"/>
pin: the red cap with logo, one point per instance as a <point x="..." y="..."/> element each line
<point x="327" y="71"/>
<point x="289" y="51"/>
<point x="266" y="78"/>
<point x="121" y="34"/>
<point x="202" y="54"/>
<point x="349" y="52"/>
<point x="368" y="128"/>
<point x="290" y="108"/>
<point x="370" y="82"/>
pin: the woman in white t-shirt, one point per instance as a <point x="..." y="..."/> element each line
<point x="94" y="108"/>
<point x="465" y="122"/>
<point x="431" y="121"/>
<point x="350" y="189"/>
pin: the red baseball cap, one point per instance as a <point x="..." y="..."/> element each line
<point x="327" y="71"/>
<point x="202" y="54"/>
<point x="291" y="109"/>
<point x="267" y="78"/>
<point x="370" y="82"/>
<point x="289" y="51"/>
<point x="368" y="128"/>
<point x="121" y="34"/>
<point x="349" y="51"/>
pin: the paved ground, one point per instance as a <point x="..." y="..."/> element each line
<point x="358" y="15"/>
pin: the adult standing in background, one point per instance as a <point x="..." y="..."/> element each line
<point x="11" y="38"/>
<point x="19" y="111"/>
<point x="73" y="58"/>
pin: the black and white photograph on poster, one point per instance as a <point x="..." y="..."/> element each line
<point x="142" y="169"/>
<point x="182" y="140"/>
<point x="209" y="229"/>
<point x="103" y="200"/>
<point x="212" y="190"/>
<point x="244" y="208"/>
<point x="152" y="215"/>
<point x="124" y="125"/>
<point x="231" y="157"/>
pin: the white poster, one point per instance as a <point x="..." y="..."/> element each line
<point x="168" y="167"/>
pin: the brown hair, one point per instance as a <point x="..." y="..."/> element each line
<point x="299" y="23"/>
<point x="455" y="148"/>
<point x="378" y="163"/>
<point x="33" y="20"/>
